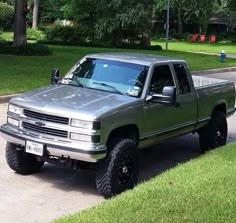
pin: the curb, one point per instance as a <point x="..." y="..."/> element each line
<point x="230" y="55"/>
<point x="212" y="71"/>
<point x="6" y="98"/>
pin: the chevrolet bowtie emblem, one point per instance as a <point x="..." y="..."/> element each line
<point x="40" y="123"/>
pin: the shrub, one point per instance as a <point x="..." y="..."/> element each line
<point x="79" y="36"/>
<point x="35" y="34"/>
<point x="6" y="16"/>
<point x="1" y="31"/>
<point x="158" y="35"/>
<point x="180" y="36"/>
<point x="30" y="49"/>
<point x="64" y="34"/>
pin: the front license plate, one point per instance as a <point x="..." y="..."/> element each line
<point x="34" y="148"/>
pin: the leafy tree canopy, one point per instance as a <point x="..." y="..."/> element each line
<point x="113" y="19"/>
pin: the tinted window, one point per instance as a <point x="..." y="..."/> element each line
<point x="161" y="78"/>
<point x="182" y="78"/>
<point x="108" y="75"/>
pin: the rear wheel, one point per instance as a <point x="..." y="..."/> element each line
<point x="119" y="171"/>
<point x="215" y="133"/>
<point x="20" y="161"/>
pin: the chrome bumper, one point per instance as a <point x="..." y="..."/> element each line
<point x="79" y="151"/>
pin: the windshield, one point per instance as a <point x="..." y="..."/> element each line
<point x="108" y="75"/>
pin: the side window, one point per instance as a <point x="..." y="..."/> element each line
<point x="161" y="78"/>
<point x="182" y="78"/>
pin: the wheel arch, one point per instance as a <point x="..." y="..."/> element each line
<point x="219" y="108"/>
<point x="130" y="131"/>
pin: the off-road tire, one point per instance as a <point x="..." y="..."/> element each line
<point x="119" y="170"/>
<point x="21" y="162"/>
<point x="215" y="133"/>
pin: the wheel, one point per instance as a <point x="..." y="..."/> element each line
<point x="21" y="162"/>
<point x="119" y="170"/>
<point x="215" y="133"/>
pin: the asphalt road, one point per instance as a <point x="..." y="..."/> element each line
<point x="56" y="191"/>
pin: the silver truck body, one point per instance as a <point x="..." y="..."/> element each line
<point x="46" y="114"/>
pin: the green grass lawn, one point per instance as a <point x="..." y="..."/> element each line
<point x="22" y="73"/>
<point x="201" y="190"/>
<point x="229" y="48"/>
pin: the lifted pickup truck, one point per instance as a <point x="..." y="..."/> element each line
<point x="109" y="105"/>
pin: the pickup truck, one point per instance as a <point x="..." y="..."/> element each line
<point x="107" y="107"/>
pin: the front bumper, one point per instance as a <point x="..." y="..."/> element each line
<point x="87" y="152"/>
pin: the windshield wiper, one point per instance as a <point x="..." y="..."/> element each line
<point x="71" y="79"/>
<point x="110" y="86"/>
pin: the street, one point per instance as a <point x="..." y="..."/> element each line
<point x="56" y="191"/>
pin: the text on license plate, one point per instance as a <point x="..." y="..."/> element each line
<point x="34" y="148"/>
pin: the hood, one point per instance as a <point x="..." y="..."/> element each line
<point x="73" y="101"/>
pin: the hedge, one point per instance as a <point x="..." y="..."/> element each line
<point x="6" y="16"/>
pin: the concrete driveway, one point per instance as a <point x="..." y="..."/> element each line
<point x="41" y="197"/>
<point x="58" y="191"/>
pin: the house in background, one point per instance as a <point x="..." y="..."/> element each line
<point x="219" y="24"/>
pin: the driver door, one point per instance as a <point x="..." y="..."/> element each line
<point x="160" y="118"/>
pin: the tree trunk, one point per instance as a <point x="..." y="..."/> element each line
<point x="200" y="28"/>
<point x="35" y="14"/>
<point x="180" y="24"/>
<point x="20" y="23"/>
<point x="146" y="38"/>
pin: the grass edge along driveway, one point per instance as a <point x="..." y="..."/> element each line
<point x="229" y="48"/>
<point x="23" y="73"/>
<point x="201" y="190"/>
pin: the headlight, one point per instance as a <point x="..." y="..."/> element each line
<point x="14" y="109"/>
<point x="13" y="121"/>
<point x="81" y="124"/>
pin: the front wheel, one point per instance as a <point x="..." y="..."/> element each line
<point x="215" y="133"/>
<point x="119" y="170"/>
<point x="20" y="161"/>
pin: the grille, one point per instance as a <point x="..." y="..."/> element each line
<point x="45" y="117"/>
<point x="44" y="130"/>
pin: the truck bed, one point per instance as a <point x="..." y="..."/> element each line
<point x="200" y="81"/>
<point x="212" y="92"/>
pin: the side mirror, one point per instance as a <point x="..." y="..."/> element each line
<point x="55" y="76"/>
<point x="168" y="96"/>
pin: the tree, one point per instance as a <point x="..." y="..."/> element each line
<point x="50" y="10"/>
<point x="114" y="20"/>
<point x="232" y="8"/>
<point x="191" y="11"/>
<point x="35" y="14"/>
<point x="184" y="10"/>
<point x="203" y="13"/>
<point x="67" y="10"/>
<point x="9" y="2"/>
<point x="20" y="23"/>
<point x="221" y="7"/>
<point x="86" y="15"/>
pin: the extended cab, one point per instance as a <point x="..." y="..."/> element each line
<point x="107" y="107"/>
